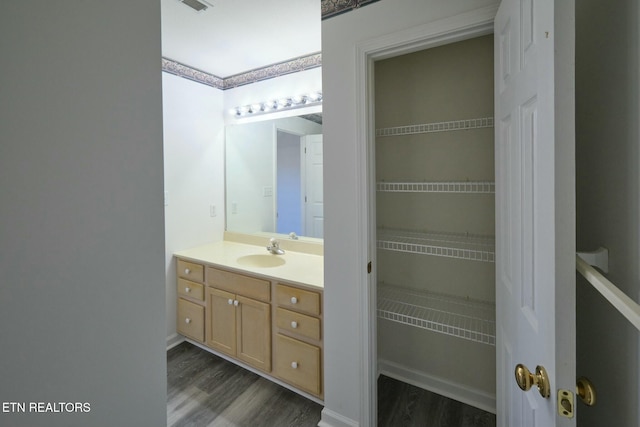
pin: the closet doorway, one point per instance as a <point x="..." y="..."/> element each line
<point x="435" y="220"/>
<point x="535" y="227"/>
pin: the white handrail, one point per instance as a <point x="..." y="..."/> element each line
<point x="625" y="305"/>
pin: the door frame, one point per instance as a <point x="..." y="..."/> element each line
<point x="468" y="25"/>
<point x="307" y="179"/>
<point x="303" y="172"/>
<point x="302" y="165"/>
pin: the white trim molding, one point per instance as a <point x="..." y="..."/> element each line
<point x="173" y="340"/>
<point x="444" y="31"/>
<point x="441" y="386"/>
<point x="333" y="419"/>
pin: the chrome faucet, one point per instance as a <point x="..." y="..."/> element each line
<point x="274" y="247"/>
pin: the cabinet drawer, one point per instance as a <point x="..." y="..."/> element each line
<point x="298" y="299"/>
<point x="297" y="323"/>
<point x="191" y="271"/>
<point x="190" y="289"/>
<point x="238" y="284"/>
<point x="190" y="320"/>
<point x="298" y="363"/>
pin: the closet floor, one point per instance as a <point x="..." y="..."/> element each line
<point x="206" y="390"/>
<point x="404" y="405"/>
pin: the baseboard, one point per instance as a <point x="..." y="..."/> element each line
<point x="474" y="397"/>
<point x="174" y="340"/>
<point x="333" y="419"/>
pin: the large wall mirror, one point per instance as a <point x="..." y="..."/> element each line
<point x="274" y="176"/>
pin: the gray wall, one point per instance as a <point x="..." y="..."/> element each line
<point x="82" y="303"/>
<point x="608" y="200"/>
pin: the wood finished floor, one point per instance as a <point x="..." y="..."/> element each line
<point x="403" y="405"/>
<point x="205" y="390"/>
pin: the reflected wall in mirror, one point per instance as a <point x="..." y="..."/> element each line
<point x="274" y="176"/>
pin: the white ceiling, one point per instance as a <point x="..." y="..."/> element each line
<point x="235" y="36"/>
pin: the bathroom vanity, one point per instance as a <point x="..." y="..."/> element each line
<point x="259" y="310"/>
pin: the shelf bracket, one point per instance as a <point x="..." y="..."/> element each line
<point x="598" y="258"/>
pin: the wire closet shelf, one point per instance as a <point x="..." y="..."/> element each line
<point x="483" y="187"/>
<point x="454" y="125"/>
<point x="470" y="319"/>
<point x="470" y="247"/>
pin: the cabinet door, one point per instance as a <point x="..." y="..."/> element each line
<point x="298" y="363"/>
<point x="191" y="320"/>
<point x="253" y="322"/>
<point x="221" y="321"/>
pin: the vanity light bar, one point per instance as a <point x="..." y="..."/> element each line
<point x="281" y="104"/>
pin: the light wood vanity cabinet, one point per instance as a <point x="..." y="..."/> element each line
<point x="190" y="300"/>
<point x="190" y="271"/>
<point x="188" y="289"/>
<point x="232" y="313"/>
<point x="238" y="323"/>
<point x="298" y="338"/>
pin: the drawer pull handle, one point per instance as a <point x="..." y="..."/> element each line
<point x="230" y="302"/>
<point x="294" y="365"/>
<point x="236" y="302"/>
<point x="294" y="300"/>
<point x="294" y="324"/>
<point x="187" y="271"/>
<point x="187" y="289"/>
<point x="187" y="320"/>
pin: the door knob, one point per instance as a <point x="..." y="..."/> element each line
<point x="586" y="391"/>
<point x="525" y="379"/>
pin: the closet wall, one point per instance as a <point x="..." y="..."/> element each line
<point x="436" y="220"/>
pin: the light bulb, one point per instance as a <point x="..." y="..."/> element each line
<point x="314" y="96"/>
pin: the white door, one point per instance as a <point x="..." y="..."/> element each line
<point x="535" y="207"/>
<point x="289" y="184"/>
<point x="314" y="201"/>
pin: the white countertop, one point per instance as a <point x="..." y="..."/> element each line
<point x="300" y="268"/>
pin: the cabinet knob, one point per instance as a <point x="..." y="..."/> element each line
<point x="187" y="320"/>
<point x="230" y="302"/>
<point x="236" y="302"/>
<point x="187" y="289"/>
<point x="294" y="324"/>
<point x="294" y="300"/>
<point x="294" y="365"/>
<point x="187" y="271"/>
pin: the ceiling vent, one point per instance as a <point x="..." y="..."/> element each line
<point x="197" y="5"/>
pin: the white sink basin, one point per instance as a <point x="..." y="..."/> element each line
<point x="261" y="260"/>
